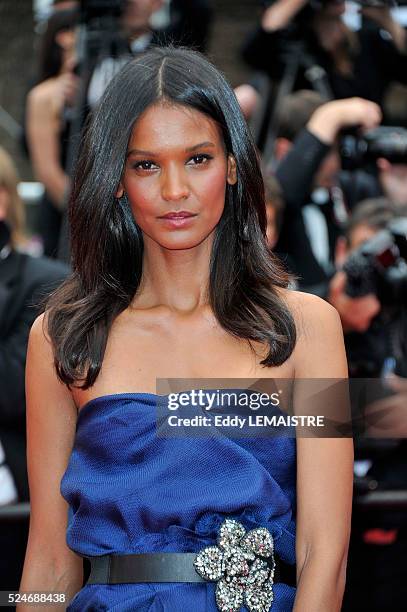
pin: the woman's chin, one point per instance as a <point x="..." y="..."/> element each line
<point x="180" y="244"/>
<point x="179" y="240"/>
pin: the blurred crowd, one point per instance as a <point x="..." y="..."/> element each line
<point x="335" y="169"/>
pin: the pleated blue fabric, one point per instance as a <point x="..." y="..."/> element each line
<point x="131" y="491"/>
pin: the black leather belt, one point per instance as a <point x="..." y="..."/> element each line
<point x="243" y="563"/>
<point x="161" y="567"/>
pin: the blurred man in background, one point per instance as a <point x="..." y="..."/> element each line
<point x="23" y="282"/>
<point x="308" y="168"/>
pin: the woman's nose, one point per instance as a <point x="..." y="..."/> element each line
<point x="175" y="185"/>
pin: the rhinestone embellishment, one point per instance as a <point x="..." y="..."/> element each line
<point x="238" y="566"/>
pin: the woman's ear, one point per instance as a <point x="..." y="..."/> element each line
<point x="120" y="191"/>
<point x="232" y="170"/>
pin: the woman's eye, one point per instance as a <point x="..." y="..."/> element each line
<point x="145" y="164"/>
<point x="198" y="160"/>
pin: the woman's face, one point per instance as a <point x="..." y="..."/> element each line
<point x="176" y="174"/>
<point x="67" y="40"/>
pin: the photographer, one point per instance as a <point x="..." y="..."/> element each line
<point x="23" y="281"/>
<point x="373" y="277"/>
<point x="369" y="322"/>
<point x="309" y="170"/>
<point x="304" y="34"/>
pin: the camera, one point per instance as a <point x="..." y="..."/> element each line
<point x="384" y="141"/>
<point x="379" y="266"/>
<point x="96" y="9"/>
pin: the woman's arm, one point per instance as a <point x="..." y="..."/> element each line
<point x="51" y="420"/>
<point x="44" y="107"/>
<point x="324" y="469"/>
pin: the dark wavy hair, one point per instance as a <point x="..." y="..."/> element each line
<point x="50" y="53"/>
<point x="107" y="245"/>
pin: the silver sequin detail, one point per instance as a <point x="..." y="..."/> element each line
<point x="237" y="565"/>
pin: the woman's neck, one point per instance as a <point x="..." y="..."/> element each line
<point x="177" y="279"/>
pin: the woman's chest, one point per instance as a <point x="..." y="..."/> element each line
<point x="136" y="358"/>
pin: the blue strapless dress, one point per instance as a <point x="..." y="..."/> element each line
<point x="131" y="491"/>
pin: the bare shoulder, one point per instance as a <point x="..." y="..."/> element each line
<point x="320" y="350"/>
<point x="39" y="340"/>
<point x="42" y="99"/>
<point x="310" y="312"/>
<point x="40" y="93"/>
<point x="299" y="300"/>
<point x="39" y="327"/>
<point x="41" y="374"/>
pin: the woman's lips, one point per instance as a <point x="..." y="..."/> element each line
<point x="178" y="219"/>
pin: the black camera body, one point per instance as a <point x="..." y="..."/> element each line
<point x="379" y="266"/>
<point x="384" y="141"/>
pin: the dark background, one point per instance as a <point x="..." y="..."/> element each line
<point x="233" y="19"/>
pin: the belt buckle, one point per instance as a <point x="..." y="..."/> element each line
<point x="243" y="566"/>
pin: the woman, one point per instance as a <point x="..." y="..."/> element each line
<point x="173" y="279"/>
<point x="48" y="122"/>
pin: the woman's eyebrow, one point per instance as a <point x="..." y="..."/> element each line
<point x="139" y="152"/>
<point x="200" y="145"/>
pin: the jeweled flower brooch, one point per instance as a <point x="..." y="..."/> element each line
<point x="238" y="565"/>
